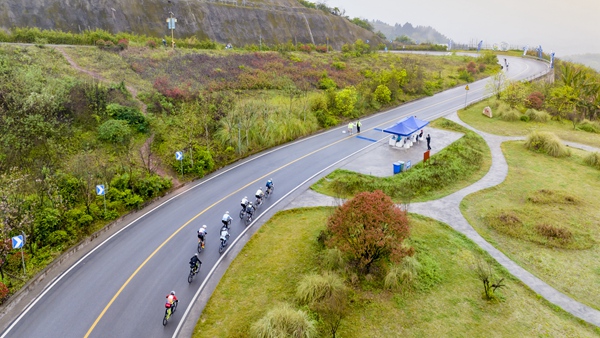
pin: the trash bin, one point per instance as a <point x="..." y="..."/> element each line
<point x="402" y="168"/>
<point x="396" y="168"/>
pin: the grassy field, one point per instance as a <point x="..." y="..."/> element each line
<point x="445" y="302"/>
<point x="469" y="158"/>
<point x="563" y="129"/>
<point x="545" y="217"/>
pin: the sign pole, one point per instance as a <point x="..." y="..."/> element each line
<point x="22" y="257"/>
<point x="104" y="195"/>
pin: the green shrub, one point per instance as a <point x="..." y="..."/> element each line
<point x="345" y="101"/>
<point x="524" y="118"/>
<point x="593" y="160"/>
<point x="547" y="143"/>
<point x="510" y="115"/>
<point x="58" y="237"/>
<point x="537" y="115"/>
<point x="339" y="65"/>
<point x="151" y="186"/>
<point x="114" y="131"/>
<point x="382" y="94"/>
<point x="589" y="126"/>
<point x="284" y="321"/>
<point x="325" y="82"/>
<point x="314" y="287"/>
<point x="133" y="116"/>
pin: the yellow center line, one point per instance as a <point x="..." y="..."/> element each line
<point x="219" y="201"/>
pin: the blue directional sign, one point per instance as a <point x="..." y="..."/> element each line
<point x="100" y="190"/>
<point x="17" y="242"/>
<point x="408" y="165"/>
<point x="179" y="156"/>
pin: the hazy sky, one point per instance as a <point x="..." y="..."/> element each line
<point x="564" y="26"/>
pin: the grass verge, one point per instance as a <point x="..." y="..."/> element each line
<point x="455" y="167"/>
<point x="448" y="305"/>
<point x="496" y="125"/>
<point x="545" y="217"/>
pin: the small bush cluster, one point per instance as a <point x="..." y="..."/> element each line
<point x="537" y="115"/>
<point x="593" y="160"/>
<point x="535" y="101"/>
<point x="509" y="115"/>
<point x="589" y="126"/>
<point x="553" y="232"/>
<point x="506" y="222"/>
<point x="545" y="196"/>
<point x="547" y="143"/>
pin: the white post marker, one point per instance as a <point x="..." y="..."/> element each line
<point x="466" y="93"/>
<point x="179" y="157"/>
<point x="17" y="243"/>
<point x="100" y="191"/>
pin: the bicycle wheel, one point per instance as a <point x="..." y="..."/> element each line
<point x="191" y="276"/>
<point x="221" y="248"/>
<point x="199" y="247"/>
<point x="242" y="214"/>
<point x="248" y="219"/>
<point x="166" y="317"/>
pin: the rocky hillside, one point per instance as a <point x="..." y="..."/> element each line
<point x="237" y="21"/>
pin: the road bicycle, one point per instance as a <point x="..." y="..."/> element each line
<point x="269" y="191"/>
<point x="200" y="245"/>
<point x="169" y="312"/>
<point x="193" y="271"/>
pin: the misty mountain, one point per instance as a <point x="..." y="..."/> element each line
<point x="418" y="34"/>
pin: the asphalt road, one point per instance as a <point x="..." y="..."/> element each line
<point x="119" y="289"/>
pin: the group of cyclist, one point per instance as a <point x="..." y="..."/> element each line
<point x="247" y="207"/>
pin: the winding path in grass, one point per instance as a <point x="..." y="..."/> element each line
<point x="447" y="210"/>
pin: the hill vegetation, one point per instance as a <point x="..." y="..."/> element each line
<point x="63" y="132"/>
<point x="240" y="22"/>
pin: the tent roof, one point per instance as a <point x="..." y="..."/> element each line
<point x="406" y="127"/>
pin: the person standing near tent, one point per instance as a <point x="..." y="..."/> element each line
<point x="350" y="128"/>
<point x="358" y="124"/>
<point x="428" y="138"/>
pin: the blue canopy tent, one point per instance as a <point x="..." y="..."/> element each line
<point x="406" y="127"/>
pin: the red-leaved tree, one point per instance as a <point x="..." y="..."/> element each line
<point x="369" y="227"/>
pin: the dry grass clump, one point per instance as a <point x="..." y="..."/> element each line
<point x="284" y="321"/>
<point x="589" y="126"/>
<point x="506" y="222"/>
<point x="546" y="196"/>
<point x="315" y="287"/>
<point x="554" y="233"/>
<point x="593" y="160"/>
<point x="547" y="143"/>
<point x="537" y="115"/>
<point x="402" y="275"/>
<point x="510" y="115"/>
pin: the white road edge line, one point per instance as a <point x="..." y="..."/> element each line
<point x="210" y="273"/>
<point x="59" y="277"/>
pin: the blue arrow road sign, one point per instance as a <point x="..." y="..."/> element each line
<point x="17" y="242"/>
<point x="179" y="156"/>
<point x="100" y="190"/>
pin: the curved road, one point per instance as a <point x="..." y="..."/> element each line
<point x="118" y="289"/>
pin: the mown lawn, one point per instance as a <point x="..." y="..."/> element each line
<point x="563" y="129"/>
<point x="446" y="302"/>
<point x="459" y="165"/>
<point x="542" y="191"/>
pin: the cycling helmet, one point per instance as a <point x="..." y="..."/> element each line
<point x="196" y="254"/>
<point x="204" y="226"/>
<point x="226" y="212"/>
<point x="250" y="203"/>
<point x="173" y="293"/>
